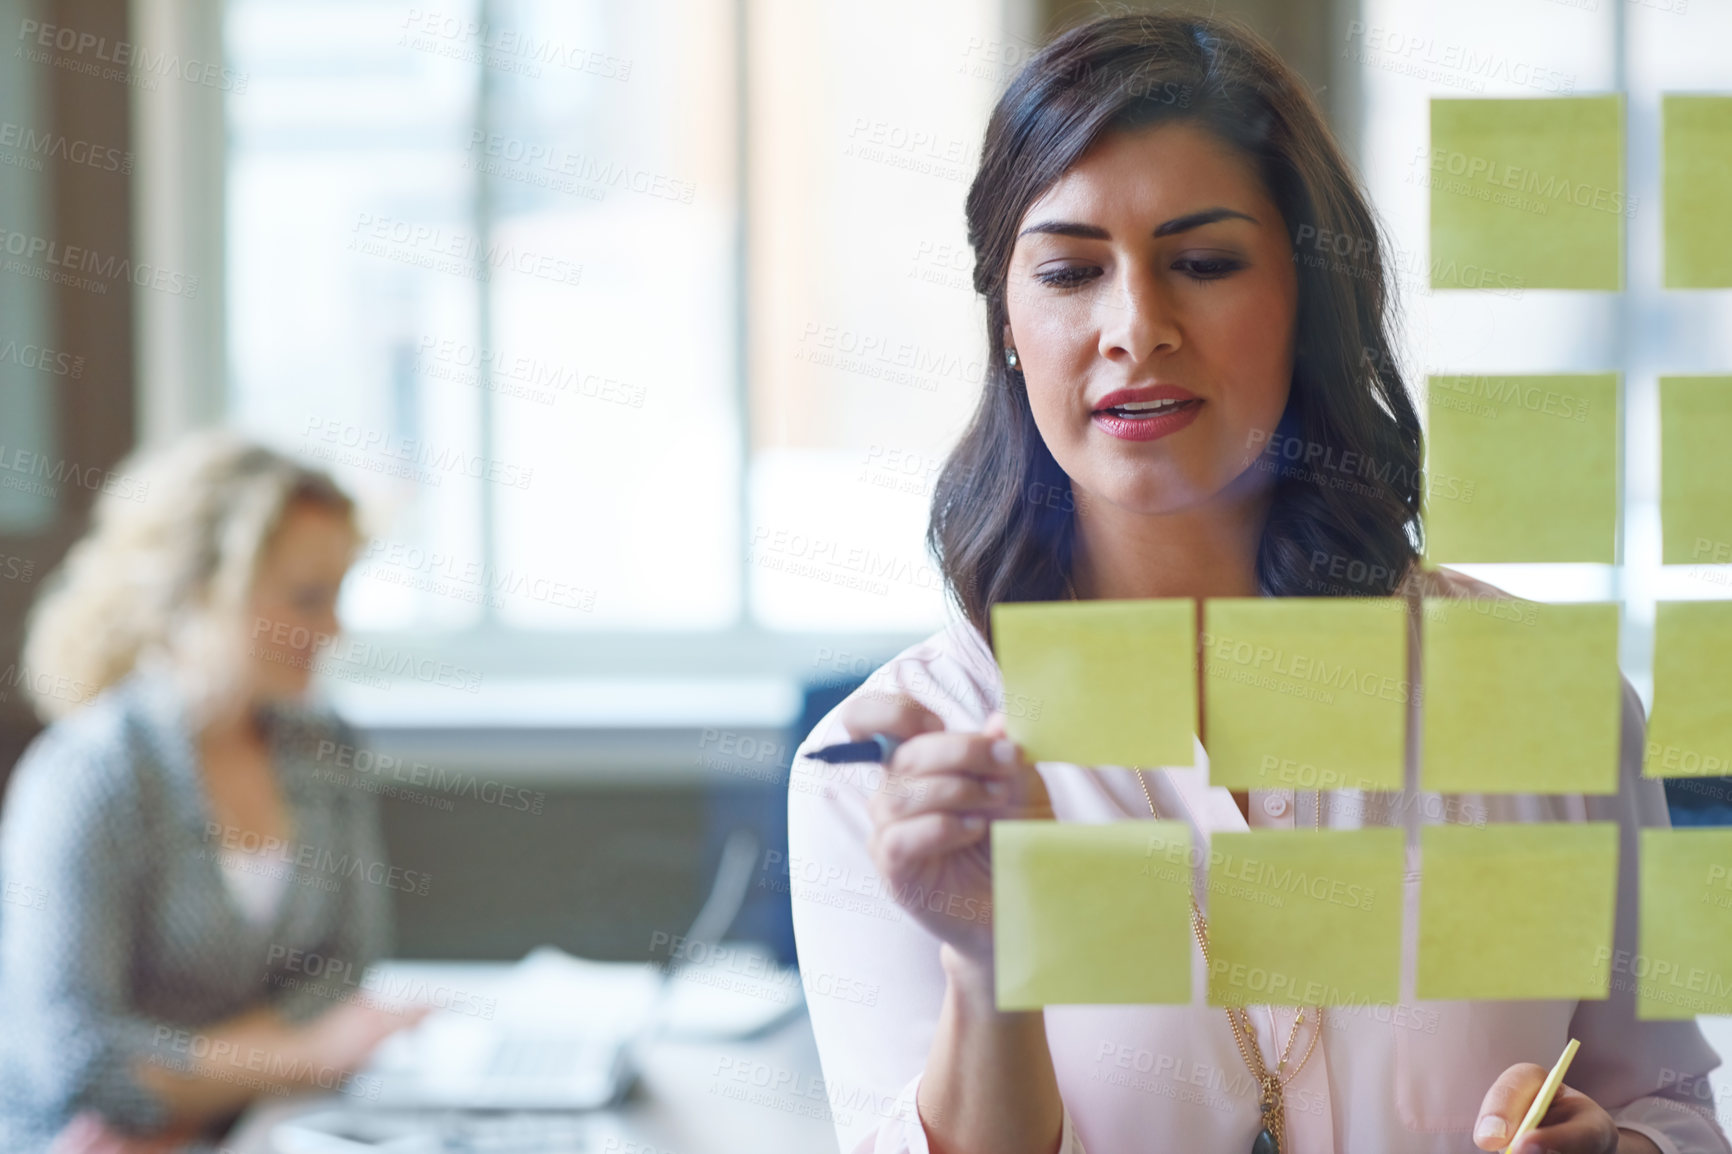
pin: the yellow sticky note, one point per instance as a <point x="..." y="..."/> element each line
<point x="1519" y="696"/>
<point x="1305" y="917"/>
<point x="1522" y="468"/>
<point x="1696" y="470"/>
<point x="1305" y="692"/>
<point x="1102" y="682"/>
<point x="1696" y="189"/>
<point x="1089" y="913"/>
<point x="1690" y="730"/>
<point x="1527" y="193"/>
<point x="1516" y="910"/>
<point x="1683" y="962"/>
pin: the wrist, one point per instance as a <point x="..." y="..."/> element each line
<point x="968" y="975"/>
<point x="297" y="1044"/>
<point x="1631" y="1142"/>
<point x="256" y="1039"/>
<point x="973" y="988"/>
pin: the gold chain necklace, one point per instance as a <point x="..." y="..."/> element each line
<point x="1271" y="1085"/>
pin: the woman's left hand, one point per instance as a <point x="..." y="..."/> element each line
<point x="1575" y="1124"/>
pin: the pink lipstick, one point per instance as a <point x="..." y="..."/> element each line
<point x="1147" y="413"/>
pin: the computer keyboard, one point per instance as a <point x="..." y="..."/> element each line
<point x="519" y="1057"/>
<point x="519" y="1134"/>
<point x="447" y="1132"/>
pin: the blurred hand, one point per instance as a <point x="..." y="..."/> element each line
<point x="929" y="818"/>
<point x="344" y="1037"/>
<point x="304" y="1056"/>
<point x="1575" y="1124"/>
<point x="90" y="1133"/>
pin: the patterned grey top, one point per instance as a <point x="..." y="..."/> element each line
<point x="119" y="935"/>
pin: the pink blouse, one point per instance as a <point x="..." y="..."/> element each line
<point x="1408" y="1077"/>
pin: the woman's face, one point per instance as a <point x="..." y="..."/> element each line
<point x="294" y="599"/>
<point x="1151" y="303"/>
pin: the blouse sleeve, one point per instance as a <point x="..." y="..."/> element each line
<point x="1652" y="1077"/>
<point x="851" y="935"/>
<point x="70" y="838"/>
<point x="361" y="933"/>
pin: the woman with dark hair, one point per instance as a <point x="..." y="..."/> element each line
<point x="1187" y="399"/>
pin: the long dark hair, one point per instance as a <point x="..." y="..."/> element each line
<point x="1344" y="518"/>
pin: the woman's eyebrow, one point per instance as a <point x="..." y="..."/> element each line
<point x="1197" y="219"/>
<point x="1095" y="232"/>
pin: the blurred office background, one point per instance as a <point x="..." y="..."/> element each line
<point x="642" y="329"/>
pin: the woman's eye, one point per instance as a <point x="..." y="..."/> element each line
<point x="1208" y="268"/>
<point x="1068" y="277"/>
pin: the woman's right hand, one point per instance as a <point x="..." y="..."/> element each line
<point x="931" y="812"/>
<point x="342" y="1038"/>
<point x="303" y="1055"/>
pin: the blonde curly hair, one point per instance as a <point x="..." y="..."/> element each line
<point x="165" y="571"/>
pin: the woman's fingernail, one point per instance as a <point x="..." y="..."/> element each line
<point x="1491" y="1128"/>
<point x="973" y="823"/>
<point x="998" y="790"/>
<point x="1004" y="752"/>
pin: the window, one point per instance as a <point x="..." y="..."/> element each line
<point x="612" y="343"/>
<point x="645" y="327"/>
<point x="1411" y="52"/>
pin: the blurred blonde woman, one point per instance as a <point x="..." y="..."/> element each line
<point x="182" y="858"/>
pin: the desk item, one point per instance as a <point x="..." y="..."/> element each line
<point x="554" y="1033"/>
<point x="355" y="1132"/>
<point x="737" y="992"/>
<point x="358" y="1131"/>
<point x="558" y="1032"/>
<point x="1548" y="1091"/>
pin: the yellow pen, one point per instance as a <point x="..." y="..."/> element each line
<point x="1543" y="1101"/>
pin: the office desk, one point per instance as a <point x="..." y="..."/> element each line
<point x="751" y="1097"/>
<point x="691" y="1098"/>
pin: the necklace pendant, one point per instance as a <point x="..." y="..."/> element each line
<point x="1265" y="1143"/>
